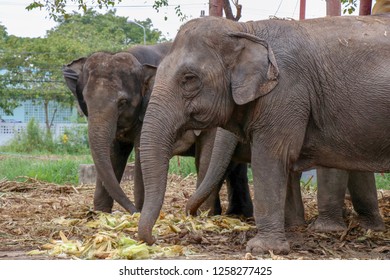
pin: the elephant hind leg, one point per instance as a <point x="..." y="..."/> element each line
<point x="362" y="188"/>
<point x="332" y="184"/>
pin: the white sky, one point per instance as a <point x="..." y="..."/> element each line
<point x="23" y="23"/>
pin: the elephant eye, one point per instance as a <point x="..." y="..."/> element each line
<point x="122" y="102"/>
<point x="190" y="82"/>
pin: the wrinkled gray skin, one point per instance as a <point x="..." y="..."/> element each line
<point x="332" y="184"/>
<point x="112" y="90"/>
<point x="200" y="145"/>
<point x="284" y="87"/>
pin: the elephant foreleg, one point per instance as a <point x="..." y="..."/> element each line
<point x="270" y="180"/>
<point x="240" y="202"/>
<point x="102" y="201"/>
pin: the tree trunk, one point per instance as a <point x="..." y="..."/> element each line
<point x="333" y="7"/>
<point x="215" y="8"/>
<point x="228" y="10"/>
<point x="47" y="123"/>
<point x="302" y="9"/>
<point x="365" y="7"/>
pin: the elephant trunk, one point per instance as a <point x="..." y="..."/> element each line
<point x="157" y="139"/>
<point x="224" y="146"/>
<point x="101" y="134"/>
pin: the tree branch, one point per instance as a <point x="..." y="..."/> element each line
<point x="228" y="10"/>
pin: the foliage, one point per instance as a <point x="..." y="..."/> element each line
<point x="57" y="9"/>
<point x="113" y="236"/>
<point x="158" y="4"/>
<point x="74" y="141"/>
<point x="383" y="181"/>
<point x="61" y="170"/>
<point x="35" y="139"/>
<point x="349" y="6"/>
<point x="31" y="67"/>
<point x="183" y="166"/>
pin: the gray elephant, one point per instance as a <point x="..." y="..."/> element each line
<point x="332" y="184"/>
<point x="303" y="94"/>
<point x="113" y="89"/>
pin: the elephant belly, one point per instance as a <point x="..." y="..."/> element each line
<point x="348" y="155"/>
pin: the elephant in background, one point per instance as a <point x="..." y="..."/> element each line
<point x="332" y="184"/>
<point x="281" y="86"/>
<point x="112" y="90"/>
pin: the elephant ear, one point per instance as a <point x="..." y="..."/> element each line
<point x="71" y="74"/>
<point x="255" y="72"/>
<point x="149" y="74"/>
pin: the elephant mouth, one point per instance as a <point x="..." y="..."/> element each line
<point x="127" y="134"/>
<point x="124" y="135"/>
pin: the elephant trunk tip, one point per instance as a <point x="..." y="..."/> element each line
<point x="146" y="237"/>
<point x="145" y="233"/>
<point x="191" y="208"/>
<point x="132" y="209"/>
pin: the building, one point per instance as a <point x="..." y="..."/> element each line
<point x="12" y="124"/>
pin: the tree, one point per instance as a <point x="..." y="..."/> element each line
<point x="228" y="10"/>
<point x="57" y="9"/>
<point x="31" y="67"/>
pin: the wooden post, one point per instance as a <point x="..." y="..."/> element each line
<point x="302" y="9"/>
<point x="365" y="7"/>
<point x="333" y="8"/>
<point x="215" y="8"/>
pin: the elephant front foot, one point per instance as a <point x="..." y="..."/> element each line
<point x="102" y="209"/>
<point x="327" y="225"/>
<point x="372" y="222"/>
<point x="104" y="205"/>
<point x="261" y="244"/>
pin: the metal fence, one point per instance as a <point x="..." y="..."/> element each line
<point x="9" y="130"/>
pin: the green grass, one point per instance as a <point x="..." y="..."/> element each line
<point x="383" y="181"/>
<point x="61" y="170"/>
<point x="183" y="166"/>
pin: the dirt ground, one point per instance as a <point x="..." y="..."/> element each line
<point x="36" y="215"/>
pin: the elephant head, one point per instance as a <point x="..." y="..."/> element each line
<point x="111" y="90"/>
<point x="210" y="69"/>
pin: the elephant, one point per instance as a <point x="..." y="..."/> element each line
<point x="332" y="184"/>
<point x="286" y="88"/>
<point x="112" y="90"/>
